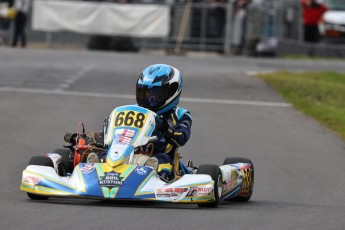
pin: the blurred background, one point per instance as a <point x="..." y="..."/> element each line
<point x="238" y="27"/>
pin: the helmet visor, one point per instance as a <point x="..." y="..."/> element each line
<point x="152" y="98"/>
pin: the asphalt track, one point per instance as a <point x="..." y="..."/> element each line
<point x="299" y="177"/>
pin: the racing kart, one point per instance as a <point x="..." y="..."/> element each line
<point x="68" y="172"/>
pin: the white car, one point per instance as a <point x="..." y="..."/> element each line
<point x="332" y="28"/>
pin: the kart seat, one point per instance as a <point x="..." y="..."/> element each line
<point x="143" y="160"/>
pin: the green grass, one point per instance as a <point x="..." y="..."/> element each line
<point x="320" y="95"/>
<point x="311" y="58"/>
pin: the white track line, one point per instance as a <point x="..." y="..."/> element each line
<point x="81" y="73"/>
<point x="124" y="96"/>
<point x="236" y="102"/>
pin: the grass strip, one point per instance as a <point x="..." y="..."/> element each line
<point x="320" y="95"/>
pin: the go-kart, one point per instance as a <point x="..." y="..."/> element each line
<point x="119" y="176"/>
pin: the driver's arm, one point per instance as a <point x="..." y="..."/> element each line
<point x="179" y="134"/>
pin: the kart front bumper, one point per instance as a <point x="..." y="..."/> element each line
<point x="126" y="182"/>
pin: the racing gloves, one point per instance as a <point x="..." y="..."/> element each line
<point x="164" y="127"/>
<point x="176" y="135"/>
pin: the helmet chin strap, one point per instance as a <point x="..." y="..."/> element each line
<point x="171" y="105"/>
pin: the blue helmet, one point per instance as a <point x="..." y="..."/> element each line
<point x="159" y="88"/>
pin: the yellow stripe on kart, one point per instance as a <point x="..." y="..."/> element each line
<point x="100" y="168"/>
<point x="125" y="170"/>
<point x="110" y="161"/>
<point x="138" y="191"/>
<point x="81" y="178"/>
<point x="113" y="192"/>
<point x="44" y="190"/>
<point x="81" y="188"/>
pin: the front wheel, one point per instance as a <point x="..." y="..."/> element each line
<point x="215" y="173"/>
<point x="248" y="180"/>
<point x="43" y="161"/>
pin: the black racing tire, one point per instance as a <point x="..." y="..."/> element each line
<point x="43" y="161"/>
<point x="99" y="42"/>
<point x="235" y="160"/>
<point x="65" y="153"/>
<point x="215" y="173"/>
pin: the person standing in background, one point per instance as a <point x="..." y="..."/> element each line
<point x="5" y="23"/>
<point x="312" y="15"/>
<point x="220" y="16"/>
<point x="239" y="25"/>
<point x="22" y="8"/>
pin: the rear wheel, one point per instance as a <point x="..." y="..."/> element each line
<point x="215" y="173"/>
<point x="43" y="161"/>
<point x="248" y="176"/>
<point x="67" y="164"/>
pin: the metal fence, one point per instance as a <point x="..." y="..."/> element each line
<point x="271" y="21"/>
<point x="205" y="27"/>
<point x="281" y="19"/>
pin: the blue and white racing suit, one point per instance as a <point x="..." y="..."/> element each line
<point x="180" y="122"/>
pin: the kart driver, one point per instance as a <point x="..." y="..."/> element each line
<point x="158" y="89"/>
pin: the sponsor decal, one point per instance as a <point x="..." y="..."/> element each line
<point x="125" y="137"/>
<point x="200" y="191"/>
<point x="117" y="137"/>
<point x="173" y="194"/>
<point x="245" y="166"/>
<point x="32" y="180"/>
<point x="87" y="168"/>
<point x="142" y="171"/>
<point x="232" y="183"/>
<point x="110" y="180"/>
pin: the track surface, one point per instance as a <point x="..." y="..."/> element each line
<point x="299" y="177"/>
